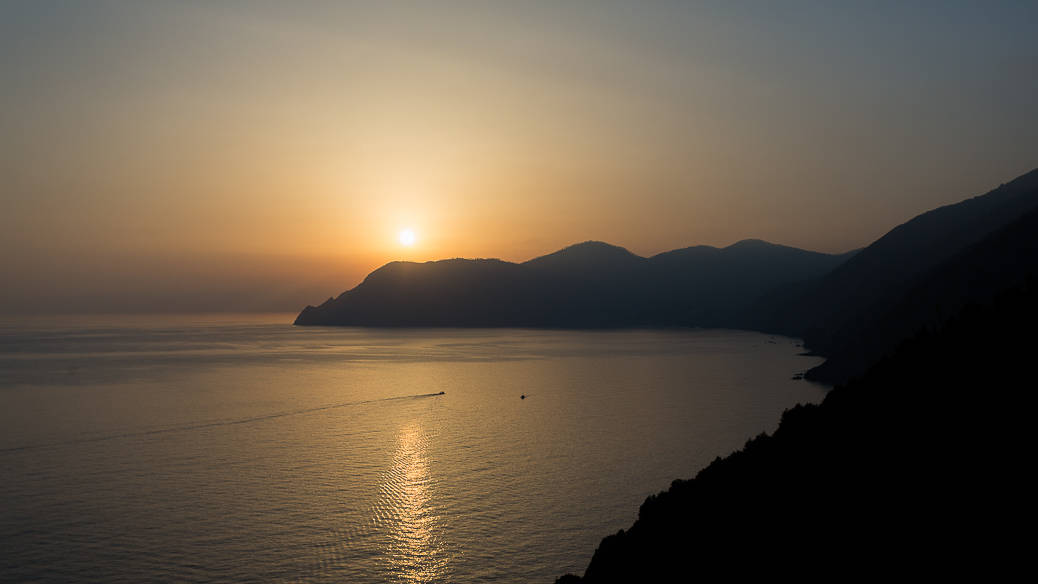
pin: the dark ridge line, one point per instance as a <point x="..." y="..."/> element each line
<point x="202" y="425"/>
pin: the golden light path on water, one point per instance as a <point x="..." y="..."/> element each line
<point x="414" y="550"/>
<point x="270" y="454"/>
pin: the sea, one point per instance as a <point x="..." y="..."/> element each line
<point x="244" y="449"/>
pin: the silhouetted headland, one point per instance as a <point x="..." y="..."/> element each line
<point x="836" y="303"/>
<point x="588" y="285"/>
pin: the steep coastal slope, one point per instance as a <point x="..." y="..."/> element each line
<point x="1004" y="260"/>
<point x="916" y="468"/>
<point x="592" y="284"/>
<point x="832" y="309"/>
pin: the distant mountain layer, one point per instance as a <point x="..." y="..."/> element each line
<point x="850" y="308"/>
<point x="588" y="285"/>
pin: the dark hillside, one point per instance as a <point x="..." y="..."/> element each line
<point x="918" y="468"/>
<point x="880" y="275"/>
<point x="1002" y="261"/>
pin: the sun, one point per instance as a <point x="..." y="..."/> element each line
<point x="407" y="237"/>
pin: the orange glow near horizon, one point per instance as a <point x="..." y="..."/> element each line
<point x="284" y="150"/>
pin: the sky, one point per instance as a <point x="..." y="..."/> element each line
<point x="259" y="156"/>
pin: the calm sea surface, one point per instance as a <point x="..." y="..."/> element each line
<point x="199" y="450"/>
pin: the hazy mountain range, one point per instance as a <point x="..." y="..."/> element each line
<point x="848" y="307"/>
<point x="591" y="284"/>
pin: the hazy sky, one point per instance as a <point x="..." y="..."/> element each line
<point x="263" y="155"/>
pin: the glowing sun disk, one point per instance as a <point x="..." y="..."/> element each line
<point x="407" y="237"/>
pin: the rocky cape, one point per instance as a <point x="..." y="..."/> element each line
<point x="588" y="285"/>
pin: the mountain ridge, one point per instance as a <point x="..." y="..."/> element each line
<point x="912" y="467"/>
<point x="912" y="462"/>
<point x="883" y="271"/>
<point x="603" y="284"/>
<point x="835" y="302"/>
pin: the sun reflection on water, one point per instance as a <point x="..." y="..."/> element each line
<point x="414" y="549"/>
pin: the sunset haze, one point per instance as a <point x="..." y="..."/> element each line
<point x="254" y="156"/>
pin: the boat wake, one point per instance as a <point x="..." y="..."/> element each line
<point x="189" y="426"/>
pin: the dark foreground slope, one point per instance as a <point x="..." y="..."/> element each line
<point x="592" y="284"/>
<point x="836" y="307"/>
<point x="921" y="467"/>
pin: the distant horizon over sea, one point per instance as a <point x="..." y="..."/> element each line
<point x="237" y="447"/>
